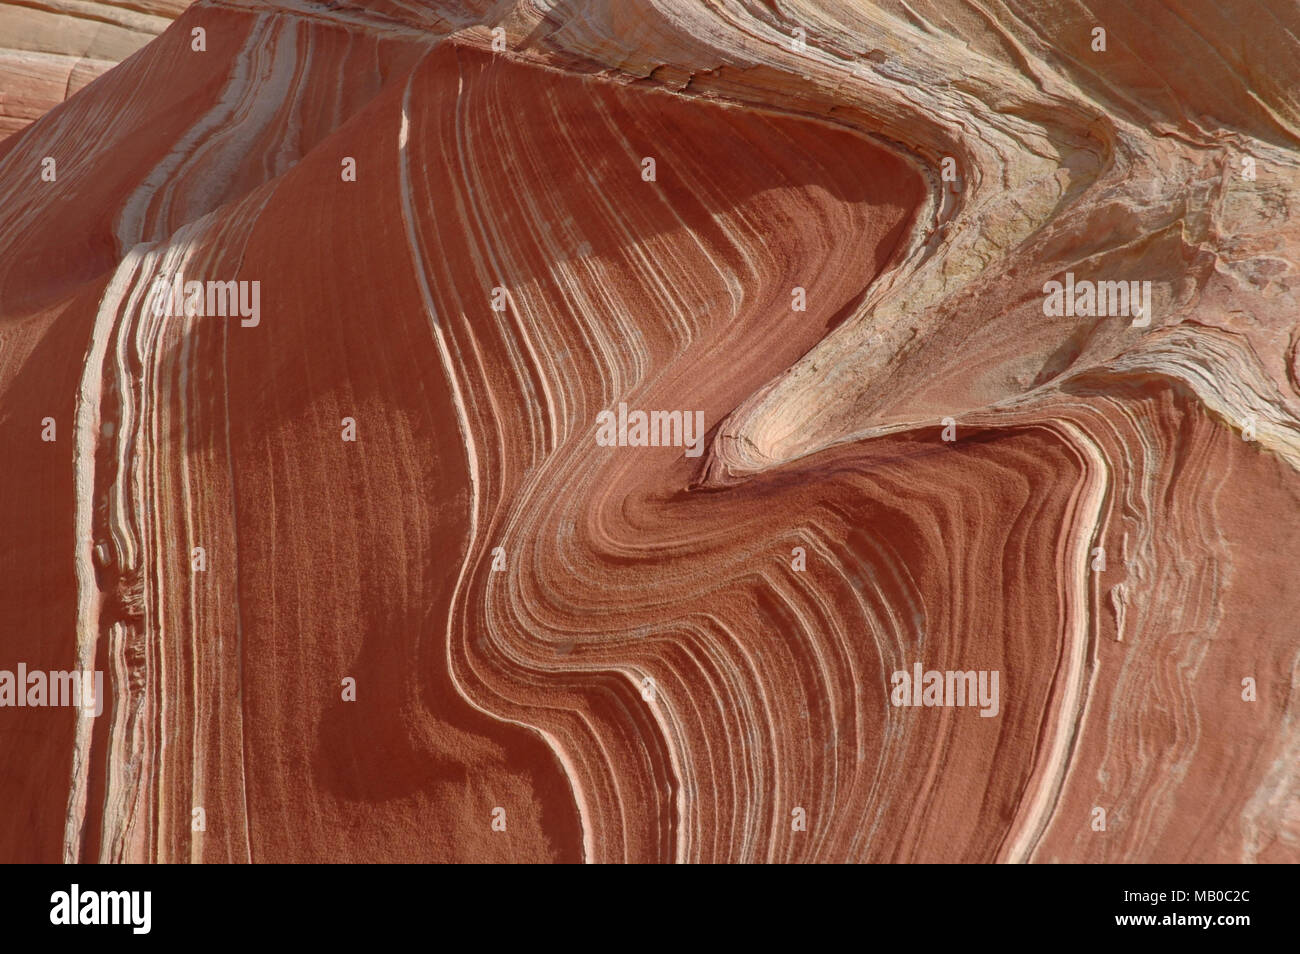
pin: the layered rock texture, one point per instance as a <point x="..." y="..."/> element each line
<point x="380" y="560"/>
<point x="50" y="49"/>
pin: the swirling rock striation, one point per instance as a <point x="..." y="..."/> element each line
<point x="379" y="566"/>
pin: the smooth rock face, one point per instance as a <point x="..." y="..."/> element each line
<point x="50" y="50"/>
<point x="413" y="552"/>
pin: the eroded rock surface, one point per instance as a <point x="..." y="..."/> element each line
<point x="482" y="232"/>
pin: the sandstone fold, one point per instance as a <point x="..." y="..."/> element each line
<point x="363" y="535"/>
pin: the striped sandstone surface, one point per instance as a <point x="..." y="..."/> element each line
<point x="50" y="49"/>
<point x="614" y="651"/>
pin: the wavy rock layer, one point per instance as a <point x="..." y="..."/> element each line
<point x="50" y="50"/>
<point x="568" y="651"/>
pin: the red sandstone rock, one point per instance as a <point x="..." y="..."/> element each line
<point x="49" y="52"/>
<point x="563" y="650"/>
